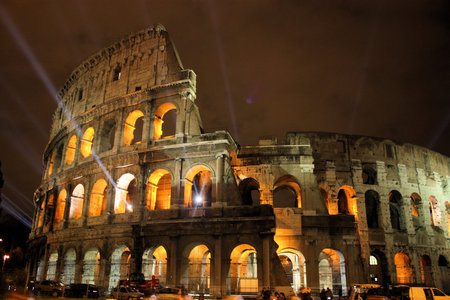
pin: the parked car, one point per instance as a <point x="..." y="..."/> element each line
<point x="79" y="290"/>
<point x="49" y="287"/>
<point x="368" y="291"/>
<point x="126" y="293"/>
<point x="405" y="292"/>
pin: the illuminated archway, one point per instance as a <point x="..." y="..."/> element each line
<point x="426" y="271"/>
<point x="97" y="202"/>
<point x="60" y="206"/>
<point x="120" y="265"/>
<point x="76" y="202"/>
<point x="39" y="268"/>
<point x="132" y="131"/>
<point x="243" y="272"/>
<point x="416" y="201"/>
<point x="403" y="268"/>
<point x="50" y="164"/>
<point x="125" y="194"/>
<point x="51" y="267"/>
<point x="198" y="187"/>
<point x="159" y="187"/>
<point x="195" y="271"/>
<point x="347" y="201"/>
<point x="332" y="271"/>
<point x="91" y="266"/>
<point x="294" y="266"/>
<point x="159" y="119"/>
<point x="71" y="148"/>
<point x="154" y="263"/>
<point x="86" y="142"/>
<point x="69" y="266"/>
<point x="435" y="211"/>
<point x="287" y="192"/>
<point x="41" y="214"/>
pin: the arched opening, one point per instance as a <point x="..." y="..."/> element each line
<point x="58" y="157"/>
<point x="91" y="267"/>
<point x="71" y="148"/>
<point x="395" y="202"/>
<point x="39" y="269"/>
<point x="97" y="202"/>
<point x="426" y="272"/>
<point x="120" y="265"/>
<point x="60" y="206"/>
<point x="369" y="175"/>
<point x="50" y="164"/>
<point x="168" y="130"/>
<point x="249" y="190"/>
<point x="132" y="131"/>
<point x="76" y="202"/>
<point x="347" y="201"/>
<point x="332" y="271"/>
<point x="378" y="269"/>
<point x="415" y="204"/>
<point x="195" y="271"/>
<point x="50" y="207"/>
<point x="154" y="263"/>
<point x="125" y="194"/>
<point x="159" y="188"/>
<point x="243" y="273"/>
<point x="372" y="207"/>
<point x="198" y="187"/>
<point x="287" y="192"/>
<point x="69" y="266"/>
<point x="51" y="268"/>
<point x="86" y="142"/>
<point x="41" y="214"/>
<point x="435" y="211"/>
<point x="331" y="207"/>
<point x="403" y="268"/>
<point x="107" y="135"/>
<point x="294" y="266"/>
<point x="445" y="273"/>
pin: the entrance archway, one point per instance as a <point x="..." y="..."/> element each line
<point x="332" y="271"/>
<point x="243" y="273"/>
<point x="195" y="271"/>
<point x="294" y="266"/>
<point x="154" y="263"/>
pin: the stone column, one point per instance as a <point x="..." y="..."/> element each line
<point x="172" y="262"/>
<point x="266" y="260"/>
<point x="59" y="264"/>
<point x="219" y="181"/>
<point x="79" y="265"/>
<point x="67" y="206"/>
<point x="216" y="279"/>
<point x="45" y="264"/>
<point x="176" y="200"/>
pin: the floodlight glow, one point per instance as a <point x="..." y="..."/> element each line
<point x="198" y="199"/>
<point x="129" y="207"/>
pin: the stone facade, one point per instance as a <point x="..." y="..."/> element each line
<point x="125" y="191"/>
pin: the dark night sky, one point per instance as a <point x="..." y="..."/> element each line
<point x="376" y="68"/>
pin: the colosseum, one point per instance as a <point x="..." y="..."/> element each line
<point x="132" y="183"/>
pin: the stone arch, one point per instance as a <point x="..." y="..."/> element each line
<point x="70" y="258"/>
<point x="125" y="194"/>
<point x="294" y="266"/>
<point x="332" y="272"/>
<point x="132" y="131"/>
<point x="154" y="263"/>
<point x="60" y="206"/>
<point x="243" y="273"/>
<point x="41" y="213"/>
<point x="58" y="156"/>
<point x="107" y="135"/>
<point x="369" y="175"/>
<point x="347" y="200"/>
<point x="97" y="202"/>
<point x="416" y="202"/>
<point x="50" y="161"/>
<point x="249" y="190"/>
<point x="159" y="120"/>
<point x="40" y="266"/>
<point x="76" y="202"/>
<point x="378" y="267"/>
<point x="195" y="270"/>
<point x="198" y="187"/>
<point x="120" y="265"/>
<point x="71" y="149"/>
<point x="159" y="189"/>
<point x="395" y="212"/>
<point x="91" y="266"/>
<point x="403" y="268"/>
<point x="372" y="200"/>
<point x="435" y="211"/>
<point x="287" y="192"/>
<point x="51" y="266"/>
<point x="426" y="270"/>
<point x="86" y="142"/>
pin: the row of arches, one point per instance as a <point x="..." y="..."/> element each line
<point x="195" y="269"/>
<point x="164" y="126"/>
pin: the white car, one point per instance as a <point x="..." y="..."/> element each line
<point x="126" y="293"/>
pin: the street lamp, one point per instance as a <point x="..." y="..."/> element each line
<point x="5" y="257"/>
